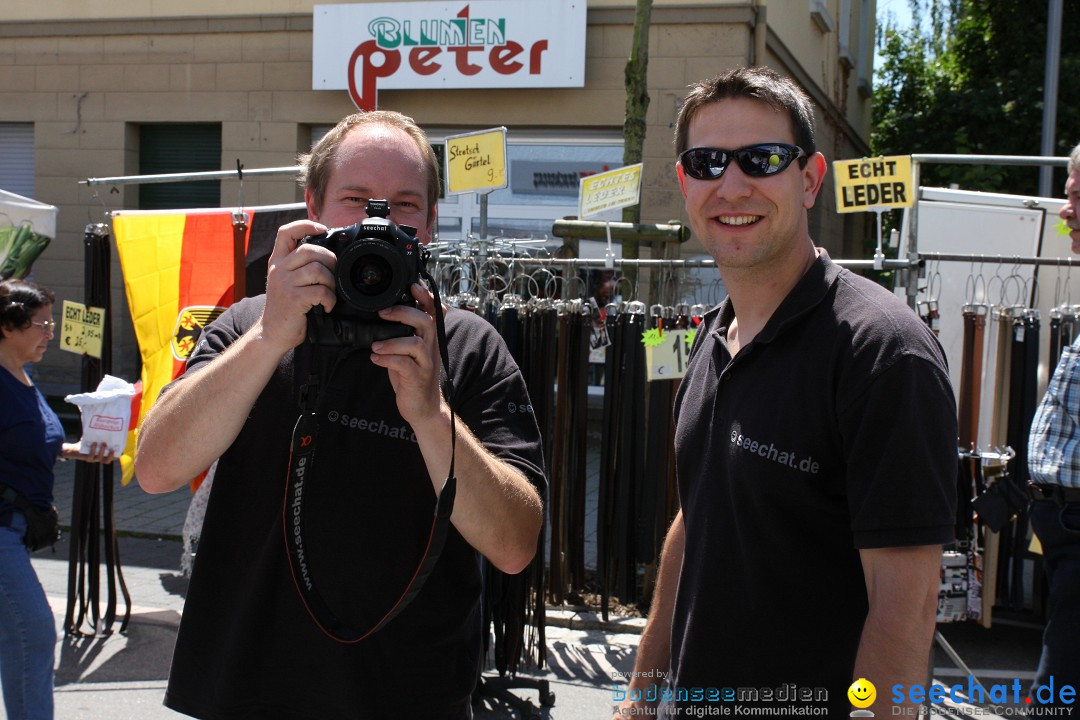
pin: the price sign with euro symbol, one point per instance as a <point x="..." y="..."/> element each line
<point x="82" y="329"/>
<point x="666" y="352"/>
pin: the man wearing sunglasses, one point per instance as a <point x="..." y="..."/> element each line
<point x="815" y="443"/>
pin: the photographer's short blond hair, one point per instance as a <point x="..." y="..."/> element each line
<point x="316" y="165"/>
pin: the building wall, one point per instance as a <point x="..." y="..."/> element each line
<point x="88" y="73"/>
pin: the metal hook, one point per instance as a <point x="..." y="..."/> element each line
<point x="990" y="284"/>
<point x="931" y="295"/>
<point x="969" y="286"/>
<point x="577" y="281"/>
<point x="630" y="286"/>
<point x="105" y="212"/>
<point x="240" y="177"/>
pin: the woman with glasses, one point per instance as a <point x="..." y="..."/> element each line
<point x="31" y="440"/>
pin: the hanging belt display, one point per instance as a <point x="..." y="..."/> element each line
<point x="623" y="457"/>
<point x="92" y="502"/>
<point x="567" y="474"/>
<point x="966" y="574"/>
<point x="971" y="374"/>
<point x="538" y="366"/>
<point x="661" y="395"/>
<point x="1022" y="401"/>
<point x="506" y="597"/>
<point x="607" y="510"/>
<point x="998" y="389"/>
<point x="1064" y="320"/>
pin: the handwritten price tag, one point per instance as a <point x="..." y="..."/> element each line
<point x="82" y="329"/>
<point x="476" y="162"/>
<point x="666" y="353"/>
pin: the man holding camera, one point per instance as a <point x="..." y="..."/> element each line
<point x="256" y="639"/>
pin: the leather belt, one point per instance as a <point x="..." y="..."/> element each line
<point x="971" y="375"/>
<point x="1054" y="493"/>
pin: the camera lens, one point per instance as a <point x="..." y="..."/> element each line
<point x="371" y="275"/>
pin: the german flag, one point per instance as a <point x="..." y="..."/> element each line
<point x="178" y="276"/>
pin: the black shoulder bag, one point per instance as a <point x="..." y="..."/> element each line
<point x="42" y="523"/>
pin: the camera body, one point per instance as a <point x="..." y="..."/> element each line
<point x="377" y="264"/>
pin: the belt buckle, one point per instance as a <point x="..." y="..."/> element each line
<point x="1048" y="492"/>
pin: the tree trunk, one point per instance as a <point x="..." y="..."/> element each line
<point x="637" y="103"/>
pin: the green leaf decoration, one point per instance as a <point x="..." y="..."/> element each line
<point x="652" y="338"/>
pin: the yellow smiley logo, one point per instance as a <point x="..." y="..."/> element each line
<point x="862" y="693"/>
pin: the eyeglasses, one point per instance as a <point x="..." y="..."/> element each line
<point x="46" y="325"/>
<point x="704" y="163"/>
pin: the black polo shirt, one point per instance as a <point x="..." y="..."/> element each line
<point x="833" y="430"/>
<point x="247" y="647"/>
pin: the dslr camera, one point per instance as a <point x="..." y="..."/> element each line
<point x="377" y="262"/>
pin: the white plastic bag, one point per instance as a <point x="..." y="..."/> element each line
<point x="106" y="414"/>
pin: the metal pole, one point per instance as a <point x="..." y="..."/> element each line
<point x="910" y="277"/>
<point x="573" y="263"/>
<point x="483" y="216"/>
<point x="1035" y="160"/>
<point x="183" y="177"/>
<point x="1050" y="91"/>
<point x="1067" y="261"/>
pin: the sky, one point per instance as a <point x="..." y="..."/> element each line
<point x="899" y="8"/>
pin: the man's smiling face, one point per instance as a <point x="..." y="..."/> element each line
<point x="744" y="221"/>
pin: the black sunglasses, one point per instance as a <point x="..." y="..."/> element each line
<point x="704" y="163"/>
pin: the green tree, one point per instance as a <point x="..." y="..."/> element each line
<point x="969" y="80"/>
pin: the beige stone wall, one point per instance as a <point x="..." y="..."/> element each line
<point x="162" y="9"/>
<point x="87" y="86"/>
<point x="88" y="83"/>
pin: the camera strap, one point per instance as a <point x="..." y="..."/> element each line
<point x="300" y="476"/>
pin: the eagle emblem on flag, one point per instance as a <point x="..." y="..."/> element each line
<point x="189" y="326"/>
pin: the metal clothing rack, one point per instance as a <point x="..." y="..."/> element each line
<point x="1001" y="259"/>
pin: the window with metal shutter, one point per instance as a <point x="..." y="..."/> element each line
<point x="17" y="151"/>
<point x="170" y="148"/>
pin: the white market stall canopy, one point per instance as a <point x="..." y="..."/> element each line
<point x="26" y="228"/>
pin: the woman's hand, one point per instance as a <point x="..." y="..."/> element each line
<point x="97" y="454"/>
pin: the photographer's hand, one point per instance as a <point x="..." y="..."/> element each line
<point x="497" y="510"/>
<point x="413" y="362"/>
<point x="299" y="277"/>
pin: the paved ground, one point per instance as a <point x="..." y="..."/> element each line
<point x="121" y="676"/>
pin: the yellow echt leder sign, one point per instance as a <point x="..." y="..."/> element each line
<point x="874" y="183"/>
<point x="82" y="329"/>
<point x="609" y="190"/>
